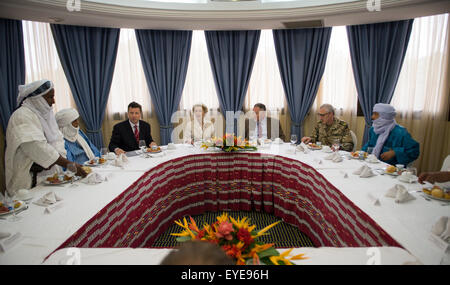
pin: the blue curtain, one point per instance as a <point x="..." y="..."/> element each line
<point x="231" y="55"/>
<point x="301" y="55"/>
<point x="377" y="52"/>
<point x="12" y="67"/>
<point x="165" y="58"/>
<point x="88" y="57"/>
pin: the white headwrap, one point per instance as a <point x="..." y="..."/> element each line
<point x="383" y="125"/>
<point x="30" y="96"/>
<point x="64" y="119"/>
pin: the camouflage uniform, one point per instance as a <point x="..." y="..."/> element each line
<point x="338" y="130"/>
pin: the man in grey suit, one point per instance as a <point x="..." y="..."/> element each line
<point x="263" y="127"/>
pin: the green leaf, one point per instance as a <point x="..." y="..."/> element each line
<point x="183" y="239"/>
<point x="268" y="252"/>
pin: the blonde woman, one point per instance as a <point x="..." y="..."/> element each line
<point x="198" y="128"/>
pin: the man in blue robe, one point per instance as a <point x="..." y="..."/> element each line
<point x="391" y="142"/>
<point x="79" y="148"/>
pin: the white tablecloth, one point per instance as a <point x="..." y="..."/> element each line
<point x="409" y="223"/>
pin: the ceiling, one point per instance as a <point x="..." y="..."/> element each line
<point x="218" y="14"/>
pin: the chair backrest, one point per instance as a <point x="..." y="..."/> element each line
<point x="446" y="164"/>
<point x="355" y="140"/>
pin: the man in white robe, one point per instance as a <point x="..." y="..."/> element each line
<point x="33" y="138"/>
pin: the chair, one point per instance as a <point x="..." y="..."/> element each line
<point x="354" y="139"/>
<point x="446" y="164"/>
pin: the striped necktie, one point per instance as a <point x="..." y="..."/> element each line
<point x="136" y="133"/>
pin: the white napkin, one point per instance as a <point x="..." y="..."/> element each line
<point x="360" y="170"/>
<point x="399" y="193"/>
<point x="9" y="240"/>
<point x="302" y="147"/>
<point x="48" y="199"/>
<point x="439" y="227"/>
<point x="335" y="157"/>
<point x="121" y="160"/>
<point x="446" y="234"/>
<point x="367" y="172"/>
<point x="94" y="178"/>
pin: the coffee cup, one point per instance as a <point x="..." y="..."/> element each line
<point x="277" y="140"/>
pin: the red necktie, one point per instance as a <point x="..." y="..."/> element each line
<point x="259" y="130"/>
<point x="136" y="133"/>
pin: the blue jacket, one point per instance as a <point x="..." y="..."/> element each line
<point x="406" y="148"/>
<point x="76" y="153"/>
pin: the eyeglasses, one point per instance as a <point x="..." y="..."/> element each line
<point x="322" y="115"/>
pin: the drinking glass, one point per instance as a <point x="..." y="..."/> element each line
<point x="104" y="152"/>
<point x="10" y="201"/>
<point x="336" y="144"/>
<point x="369" y="150"/>
<point x="412" y="170"/>
<point x="71" y="170"/>
<point x="293" y="139"/>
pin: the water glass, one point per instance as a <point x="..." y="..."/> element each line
<point x="104" y="152"/>
<point x="369" y="150"/>
<point x="336" y="144"/>
<point x="293" y="139"/>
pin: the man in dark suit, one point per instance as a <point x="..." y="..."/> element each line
<point x="127" y="134"/>
<point x="263" y="127"/>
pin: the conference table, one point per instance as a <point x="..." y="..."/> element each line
<point x="348" y="218"/>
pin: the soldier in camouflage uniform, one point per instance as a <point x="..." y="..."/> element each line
<point x="329" y="128"/>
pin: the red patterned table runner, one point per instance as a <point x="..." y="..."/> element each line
<point x="191" y="185"/>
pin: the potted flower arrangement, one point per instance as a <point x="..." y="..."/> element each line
<point x="229" y="143"/>
<point x="238" y="239"/>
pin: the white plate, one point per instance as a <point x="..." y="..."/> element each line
<point x="435" y="198"/>
<point x="46" y="182"/>
<point x="94" y="164"/>
<point x="412" y="180"/>
<point x="314" y="148"/>
<point x="370" y="161"/>
<point x="23" y="204"/>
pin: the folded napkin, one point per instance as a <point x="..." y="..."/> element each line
<point x="94" y="178"/>
<point x="335" y="157"/>
<point x="302" y="147"/>
<point x="48" y="199"/>
<point x="364" y="172"/>
<point x="399" y="193"/>
<point x="120" y="160"/>
<point x="442" y="228"/>
<point x="9" y="239"/>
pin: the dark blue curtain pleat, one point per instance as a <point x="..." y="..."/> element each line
<point x="231" y="55"/>
<point x="377" y="52"/>
<point x="12" y="67"/>
<point x="165" y="58"/>
<point x="301" y="55"/>
<point x="88" y="56"/>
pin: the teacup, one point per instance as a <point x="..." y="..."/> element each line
<point x="110" y="155"/>
<point x="278" y="140"/>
